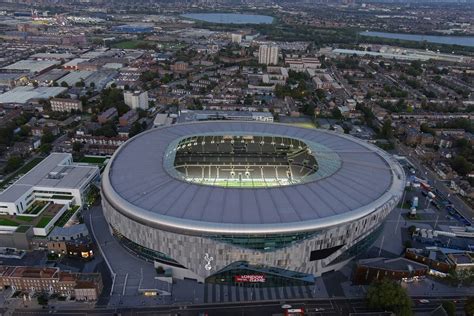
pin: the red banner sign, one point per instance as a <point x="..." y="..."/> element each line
<point x="250" y="278"/>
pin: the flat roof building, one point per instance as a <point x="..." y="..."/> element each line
<point x="65" y="105"/>
<point x="55" y="176"/>
<point x="33" y="66"/>
<point x="25" y="94"/>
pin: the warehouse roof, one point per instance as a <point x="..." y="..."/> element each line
<point x="24" y="94"/>
<point x="33" y="66"/>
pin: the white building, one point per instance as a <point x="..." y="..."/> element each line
<point x="236" y="38"/>
<point x="55" y="179"/>
<point x="268" y="55"/>
<point x="136" y="99"/>
<point x="65" y="105"/>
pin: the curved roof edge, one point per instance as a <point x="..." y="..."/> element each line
<point x="168" y="223"/>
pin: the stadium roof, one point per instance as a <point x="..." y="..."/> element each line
<point x="138" y="184"/>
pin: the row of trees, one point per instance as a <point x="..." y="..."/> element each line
<point x="388" y="295"/>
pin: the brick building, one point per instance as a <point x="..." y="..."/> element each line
<point x="107" y="115"/>
<point x="85" y="286"/>
<point x="128" y="118"/>
<point x="373" y="269"/>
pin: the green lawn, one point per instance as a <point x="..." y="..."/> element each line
<point x="304" y="124"/>
<point x="94" y="160"/>
<point x="62" y="197"/>
<point x="132" y="44"/>
<point x="36" y="207"/>
<point x="22" y="229"/>
<point x="25" y="218"/>
<point x="44" y="221"/>
<point x="66" y="216"/>
<point x="243" y="184"/>
<point x="7" y="222"/>
<point x="21" y="171"/>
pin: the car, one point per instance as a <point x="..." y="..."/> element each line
<point x="424" y="301"/>
<point x="286" y="306"/>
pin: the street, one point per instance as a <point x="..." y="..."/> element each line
<point x="311" y="307"/>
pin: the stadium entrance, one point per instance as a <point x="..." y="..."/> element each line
<point x="241" y="273"/>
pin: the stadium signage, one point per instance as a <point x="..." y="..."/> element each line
<point x="250" y="278"/>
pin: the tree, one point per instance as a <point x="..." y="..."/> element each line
<point x="389" y="295"/>
<point x="45" y="148"/>
<point x="43" y="299"/>
<point x="13" y="163"/>
<point x="386" y="131"/>
<point x="47" y="137"/>
<point x="64" y="84"/>
<point x="336" y="114"/>
<point x="80" y="83"/>
<point x="412" y="230"/>
<point x="461" y="165"/>
<point x="136" y="129"/>
<point x="449" y="307"/>
<point x="25" y="130"/>
<point x="469" y="306"/>
<point x="160" y="270"/>
<point x="77" y="146"/>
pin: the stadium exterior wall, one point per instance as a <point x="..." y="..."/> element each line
<point x="188" y="241"/>
<point x="189" y="250"/>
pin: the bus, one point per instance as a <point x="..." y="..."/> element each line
<point x="294" y="312"/>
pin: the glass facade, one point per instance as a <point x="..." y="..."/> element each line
<point x="143" y="252"/>
<point x="241" y="273"/>
<point x="360" y="247"/>
<point x="263" y="242"/>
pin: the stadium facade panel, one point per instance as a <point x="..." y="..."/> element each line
<point x="274" y="195"/>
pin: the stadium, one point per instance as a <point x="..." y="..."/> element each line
<point x="243" y="202"/>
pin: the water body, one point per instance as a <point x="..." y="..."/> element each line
<point x="230" y="18"/>
<point x="441" y="39"/>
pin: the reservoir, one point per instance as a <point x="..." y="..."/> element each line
<point x="230" y="18"/>
<point x="450" y="40"/>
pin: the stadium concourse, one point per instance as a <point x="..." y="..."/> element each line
<point x="228" y="202"/>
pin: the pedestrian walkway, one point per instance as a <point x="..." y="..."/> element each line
<point x="218" y="293"/>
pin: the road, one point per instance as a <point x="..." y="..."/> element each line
<point x="311" y="307"/>
<point x="431" y="176"/>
